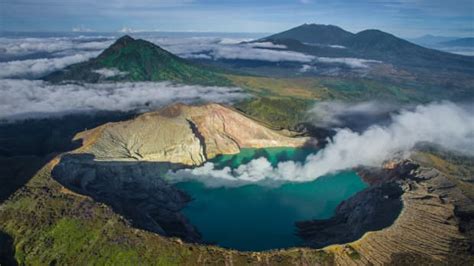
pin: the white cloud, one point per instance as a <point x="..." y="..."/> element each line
<point x="227" y="48"/>
<point x="127" y="30"/>
<point x="249" y="53"/>
<point x="35" y="68"/>
<point x="66" y="45"/>
<point x="445" y="124"/>
<point x="110" y="72"/>
<point x="267" y="45"/>
<point x="21" y="99"/>
<point x="308" y="68"/>
<point x="348" y="61"/>
<point x="211" y="48"/>
<point x="81" y="28"/>
<point x="337" y="46"/>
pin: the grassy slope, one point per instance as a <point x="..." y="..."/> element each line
<point x="51" y="225"/>
<point x="140" y="60"/>
<point x="283" y="102"/>
<point x="145" y="61"/>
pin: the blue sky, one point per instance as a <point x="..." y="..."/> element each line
<point x="406" y="18"/>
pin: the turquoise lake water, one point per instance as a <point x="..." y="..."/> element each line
<point x="255" y="217"/>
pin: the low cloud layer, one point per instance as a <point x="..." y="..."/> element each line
<point x="445" y="124"/>
<point x="348" y="61"/>
<point x="36" y="68"/>
<point x="52" y="46"/>
<point x="20" y="99"/>
<point x="32" y="58"/>
<point x="232" y="49"/>
<point x="110" y="72"/>
<point x="246" y="52"/>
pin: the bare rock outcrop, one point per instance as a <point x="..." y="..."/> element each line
<point x="182" y="134"/>
<point x="427" y="231"/>
<point x="133" y="189"/>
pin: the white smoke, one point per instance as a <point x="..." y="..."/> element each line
<point x="445" y="124"/>
<point x="20" y="99"/>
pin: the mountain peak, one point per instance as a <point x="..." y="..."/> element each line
<point x="314" y="33"/>
<point x="316" y="25"/>
<point x="141" y="60"/>
<point x="124" y="40"/>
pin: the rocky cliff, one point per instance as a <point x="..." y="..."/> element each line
<point x="182" y="134"/>
<point x="430" y="228"/>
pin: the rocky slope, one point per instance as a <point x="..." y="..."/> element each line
<point x="182" y="134"/>
<point x="430" y="229"/>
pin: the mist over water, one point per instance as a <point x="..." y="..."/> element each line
<point x="445" y="124"/>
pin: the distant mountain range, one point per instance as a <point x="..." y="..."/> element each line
<point x="131" y="59"/>
<point x="430" y="40"/>
<point x="332" y="41"/>
<point x="392" y="59"/>
<point x="462" y="42"/>
<point x="440" y="41"/>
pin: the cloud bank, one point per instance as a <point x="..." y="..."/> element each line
<point x="36" y="68"/>
<point x="445" y="124"/>
<point x="348" y="61"/>
<point x="21" y="99"/>
<point x="35" y="57"/>
<point x="227" y="48"/>
<point x="51" y="46"/>
<point x="110" y="72"/>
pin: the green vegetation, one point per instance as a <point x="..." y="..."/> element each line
<point x="334" y="88"/>
<point x="139" y="60"/>
<point x="278" y="113"/>
<point x="284" y="102"/>
<point x="351" y="252"/>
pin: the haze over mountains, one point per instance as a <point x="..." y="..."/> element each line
<point x="456" y="45"/>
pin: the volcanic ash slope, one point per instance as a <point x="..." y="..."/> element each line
<point x="182" y="134"/>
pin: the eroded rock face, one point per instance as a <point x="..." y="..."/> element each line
<point x="133" y="189"/>
<point x="182" y="134"/>
<point x="372" y="209"/>
<point x="428" y="230"/>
